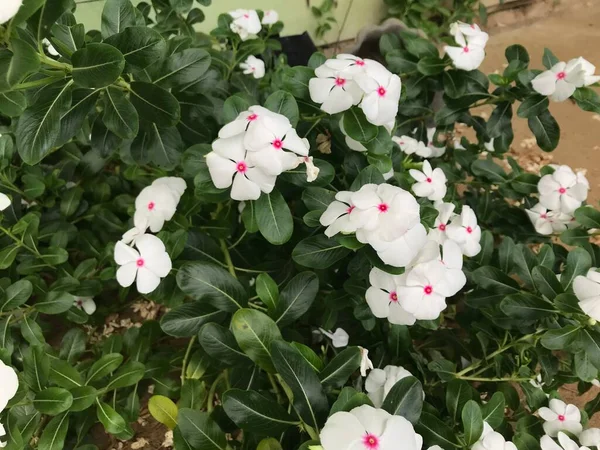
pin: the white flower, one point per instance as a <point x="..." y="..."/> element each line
<point x="471" y="41"/>
<point x="587" y="291"/>
<point x="245" y="23"/>
<point x="430" y="183"/>
<point x="253" y="66"/>
<point x="379" y="382"/>
<point x="86" y="304"/>
<point x="588" y="69"/>
<point x="351" y="143"/>
<point x="5" y="201"/>
<point x="312" y="171"/>
<point x="367" y="428"/>
<point x="537" y="383"/>
<point x="339" y="338"/>
<point x="560" y="417"/>
<point x="51" y="50"/>
<point x="563" y="190"/>
<point x="349" y="64"/>
<point x="410" y="145"/>
<point x="492" y="440"/>
<point x="445" y="213"/>
<point x="547" y="222"/>
<point x="452" y="258"/>
<point x="131" y="235"/>
<point x="148" y="264"/>
<point x="436" y="152"/>
<point x="8" y="8"/>
<point x="566" y="443"/>
<point x="175" y="184"/>
<point x="10" y="384"/>
<point x="334" y="90"/>
<point x="229" y="165"/>
<point x="157" y="203"/>
<point x="270" y="17"/>
<point x="337" y="217"/>
<point x="465" y="232"/>
<point x="382" y="297"/>
<point x="365" y="362"/>
<point x="489" y="145"/>
<point x="382" y="93"/>
<point x="590" y="437"/>
<point x="560" y="82"/>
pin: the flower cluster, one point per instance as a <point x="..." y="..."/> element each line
<point x="253" y="66"/>
<point x="253" y="150"/>
<point x="349" y="80"/>
<point x="560" y="82"/>
<point x="410" y="145"/>
<point x="560" y="194"/>
<point x="10" y="384"/>
<point x="155" y="205"/>
<point x="247" y="24"/>
<point x="470" y="52"/>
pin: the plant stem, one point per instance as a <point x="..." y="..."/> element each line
<point x="52" y="63"/>
<point x="312" y="127"/>
<point x="36" y="83"/>
<point x="213" y="389"/>
<point x="20" y="243"/>
<point x="186" y="357"/>
<point x="236" y="243"/>
<point x="227" y="256"/>
<point x="495" y="380"/>
<point x="275" y="388"/>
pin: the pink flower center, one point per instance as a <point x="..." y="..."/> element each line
<point x="382" y="207"/>
<point x="469" y="230"/>
<point x="253" y="68"/>
<point x="466" y="49"/>
<point x="429" y="180"/>
<point x="360" y="62"/>
<point x="252" y="117"/>
<point x="339" y="81"/>
<point x="562" y="190"/>
<point x="246" y="16"/>
<point x="371" y="442"/>
<point x="561" y="75"/>
<point x="561" y="418"/>
<point x="544" y="216"/>
<point x="278" y="143"/>
<point x="381" y="91"/>
<point x="140" y="262"/>
<point x="151" y="206"/>
<point x="442" y="227"/>
<point x="473" y="25"/>
<point x="393" y="296"/>
<point x="428" y="290"/>
<point x="80" y="303"/>
<point x="350" y="209"/>
<point x="241" y="167"/>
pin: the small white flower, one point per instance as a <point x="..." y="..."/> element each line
<point x="410" y="145"/>
<point x="312" y="171"/>
<point x="131" y="235"/>
<point x="334" y="90"/>
<point x="382" y="93"/>
<point x="157" y="203"/>
<point x="337" y="217"/>
<point x="547" y="222"/>
<point x="270" y="17"/>
<point x="430" y="183"/>
<point x="436" y="152"/>
<point x="339" y="338"/>
<point x="588" y="69"/>
<point x="489" y="145"/>
<point x="245" y="23"/>
<point x="149" y="263"/>
<point x="5" y="201"/>
<point x="560" y="82"/>
<point x="51" y="50"/>
<point x="537" y="383"/>
<point x="10" y="384"/>
<point x="368" y="428"/>
<point x="253" y="66"/>
<point x="365" y="362"/>
<point x="590" y="437"/>
<point x="566" y="443"/>
<point x="465" y="232"/>
<point x="379" y="382"/>
<point x="452" y="258"/>
<point x="492" y="440"/>
<point x="563" y="190"/>
<point x="471" y="41"/>
<point x="560" y="417"/>
<point x="587" y="291"/>
<point x="445" y="213"/>
<point x="86" y="304"/>
<point x="351" y="143"/>
<point x="382" y="297"/>
<point x="8" y="9"/>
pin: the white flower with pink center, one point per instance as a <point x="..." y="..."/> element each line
<point x="560" y="417"/>
<point x="382" y="93"/>
<point x="365" y="362"/>
<point x="445" y="213"/>
<point x="560" y="82"/>
<point x="563" y="190"/>
<point x="146" y="265"/>
<point x="492" y="440"/>
<point x="270" y="17"/>
<point x="470" y="52"/>
<point x="338" y="216"/>
<point x="348" y="64"/>
<point x="86" y="304"/>
<point x="382" y="297"/>
<point x="381" y="381"/>
<point x="229" y="165"/>
<point x="547" y="222"/>
<point x="591" y="436"/>
<point x="253" y="66"/>
<point x="410" y="145"/>
<point x="431" y="183"/>
<point x="312" y="171"/>
<point x="465" y="231"/>
<point x="175" y="184"/>
<point x="155" y="205"/>
<point x="10" y="384"/>
<point x="587" y="291"/>
<point x="334" y="90"/>
<point x="245" y="23"/>
<point x="8" y="8"/>
<point x="368" y="428"/>
<point x="566" y="443"/>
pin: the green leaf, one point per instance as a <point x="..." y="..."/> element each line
<point x="358" y="127"/>
<point x="267" y="290"/>
<point x="526" y="306"/>
<point x="54" y="434"/>
<point x="274" y="218"/>
<point x="254" y="413"/>
<point x="532" y="106"/>
<point x="579" y="262"/>
<point x="584" y="369"/>
<point x="12" y="104"/>
<point x="525" y="183"/>
<point x="487" y="168"/>
<point x="83" y="397"/>
<point x="568" y="303"/>
<point x="27" y="9"/>
<point x="405" y="399"/>
<point x="104" y="366"/>
<point x="349" y="399"/>
<point x="284" y="103"/>
<point x="155" y="104"/>
<point x="493" y="411"/>
<point x="431" y="65"/>
<point x="70" y="201"/>
<point x="120" y="116"/>
<point x="494" y="280"/>
<point x="8" y="255"/>
<point x="233" y="106"/>
<point x="127" y="375"/>
<point x="472" y="422"/>
<point x="141" y="46"/>
<point x="517" y="53"/>
<point x="97" y="65"/>
<point x="339" y="369"/>
<point x="163" y="410"/>
<point x="500" y="119"/>
<point x="561" y="338"/>
<point x="15" y="295"/>
<point x="254" y="332"/>
<point x="116" y="16"/>
<point x="31" y="331"/>
<point x="53" y="401"/>
<point x="112" y="421"/>
<point x="458" y="393"/>
<point x="525" y="441"/>
<point x="187" y="319"/>
<point x="546" y="282"/>
<point x="420" y="47"/>
<point x="64" y="375"/>
<point x="25" y="60"/>
<point x="212" y="284"/>
<point x="296" y="298"/>
<point x="219" y="343"/>
<point x="318" y="252"/>
<point x="545" y="129"/>
<point x="36" y="365"/>
<point x="55" y="302"/>
<point x="436" y="432"/>
<point x="72" y="345"/>
<point x="549" y="60"/>
<point x="588" y="217"/>
<point x="587" y="99"/>
<point x="200" y="431"/>
<point x="183" y="68"/>
<point x="309" y="399"/>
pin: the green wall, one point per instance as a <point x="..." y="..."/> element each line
<point x="295" y="14"/>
